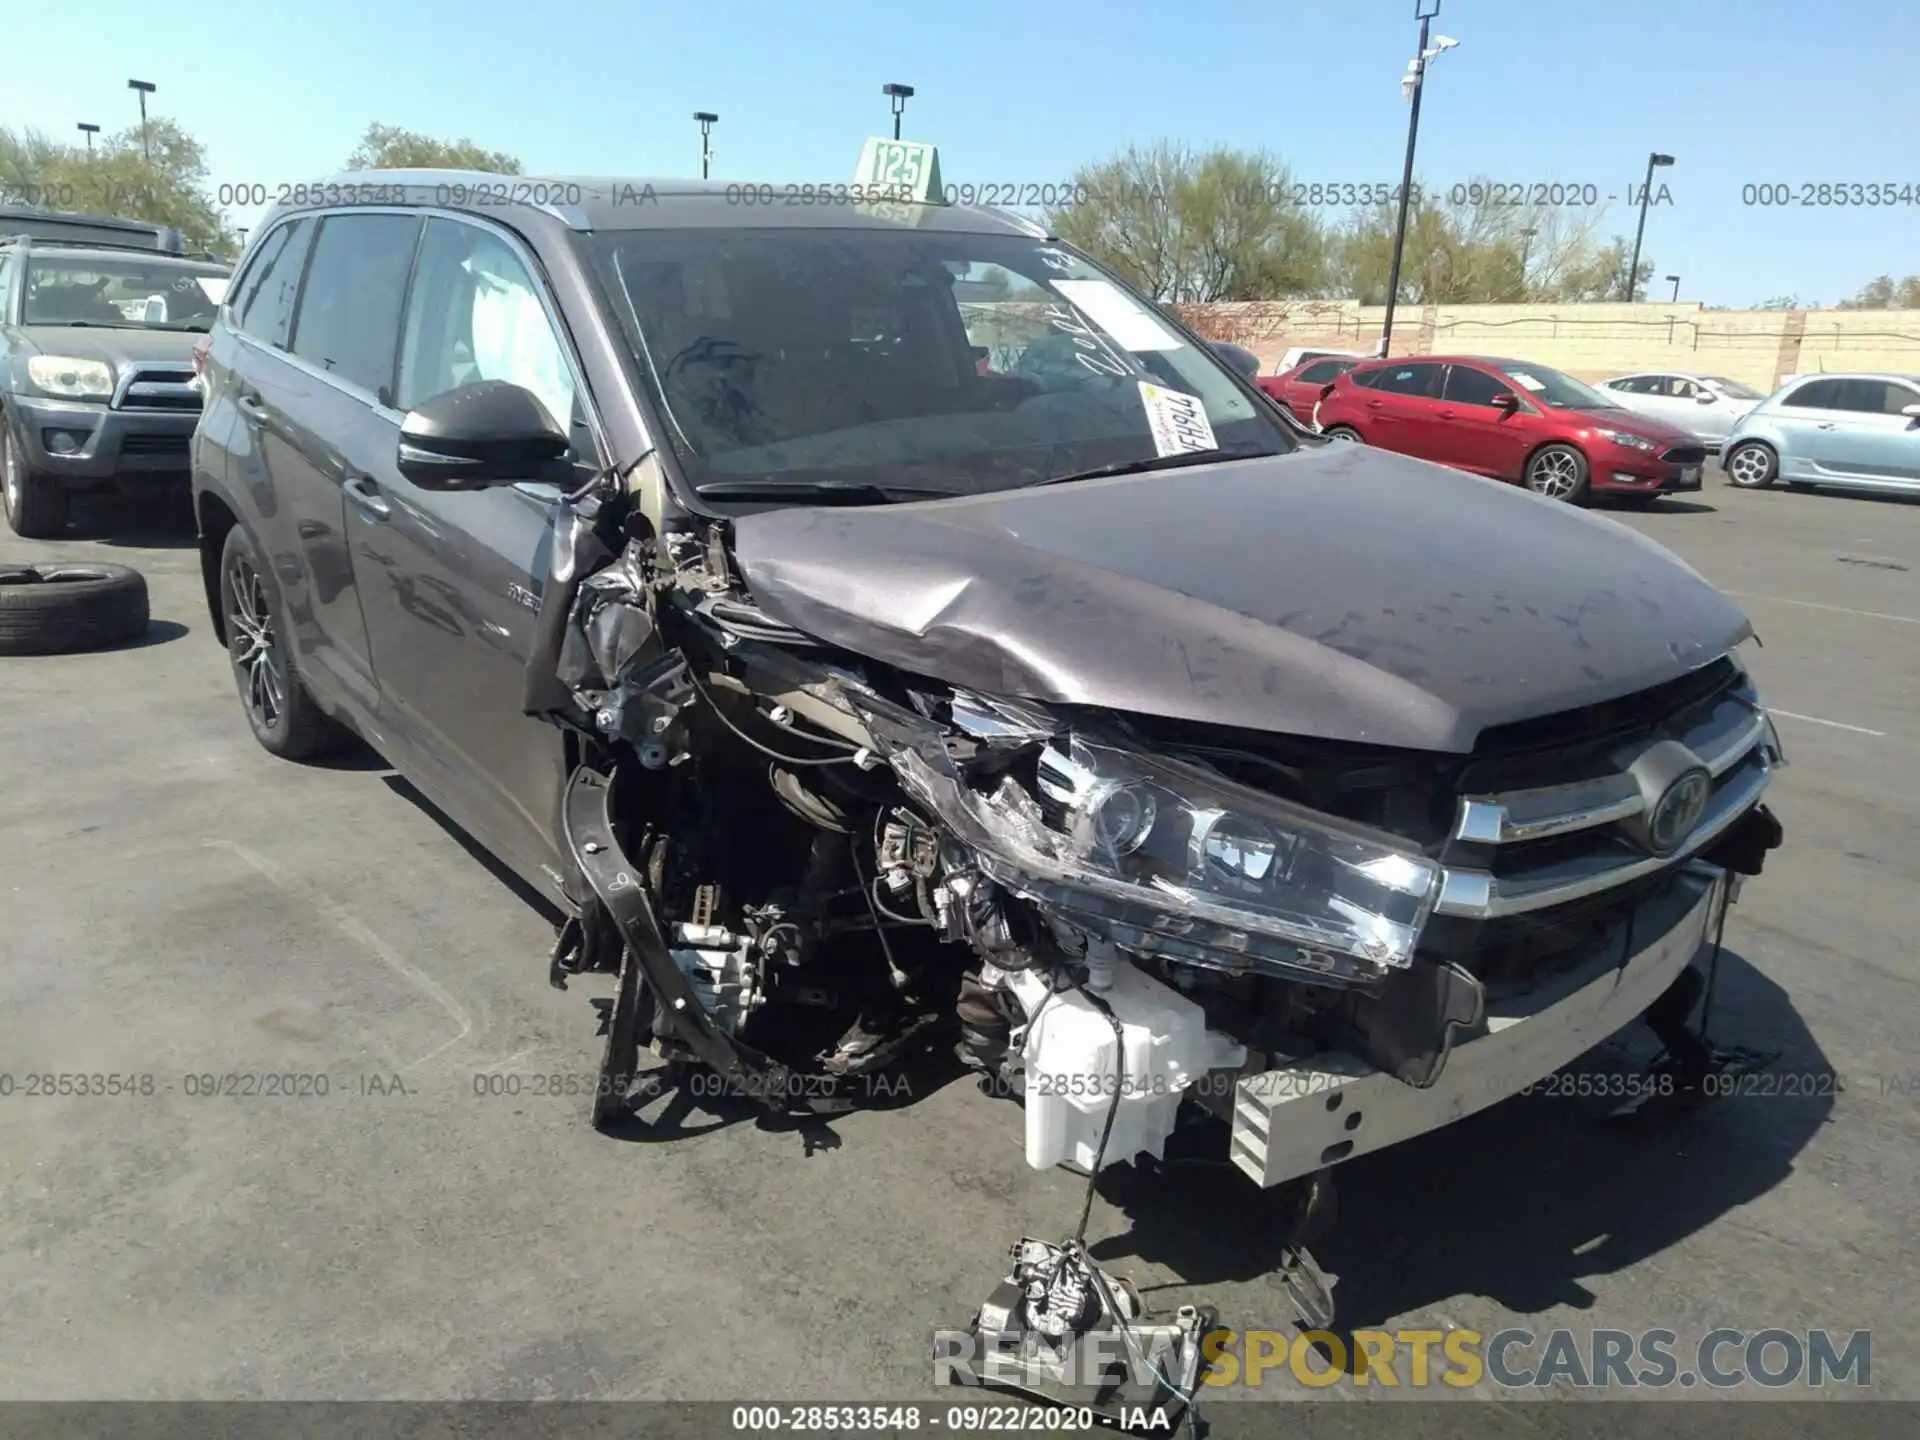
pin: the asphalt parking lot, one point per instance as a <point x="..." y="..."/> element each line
<point x="177" y="903"/>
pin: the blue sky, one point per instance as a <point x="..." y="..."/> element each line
<point x="1569" y="91"/>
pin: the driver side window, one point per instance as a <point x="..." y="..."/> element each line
<point x="475" y="314"/>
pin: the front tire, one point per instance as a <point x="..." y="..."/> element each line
<point x="1344" y="432"/>
<point x="283" y="716"/>
<point x="1752" y="465"/>
<point x="1558" y="472"/>
<point x="36" y="505"/>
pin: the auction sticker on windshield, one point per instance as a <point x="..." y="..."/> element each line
<point x="1526" y="381"/>
<point x="1130" y="327"/>
<point x="1178" y="421"/>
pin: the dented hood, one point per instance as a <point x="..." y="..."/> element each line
<point x="1339" y="591"/>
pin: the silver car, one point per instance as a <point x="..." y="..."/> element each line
<point x="1706" y="405"/>
<point x="1854" y="432"/>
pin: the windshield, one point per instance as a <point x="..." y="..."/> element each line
<point x="1732" y="389"/>
<point x="122" y="291"/>
<point x="1557" y="391"/>
<point x="942" y="362"/>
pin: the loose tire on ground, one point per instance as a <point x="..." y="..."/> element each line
<point x="58" y="607"/>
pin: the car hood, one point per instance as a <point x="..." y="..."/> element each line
<point x="117" y="347"/>
<point x="1632" y="422"/>
<point x="1339" y="591"/>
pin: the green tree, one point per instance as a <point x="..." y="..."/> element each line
<point x="392" y="147"/>
<point x="1471" y="250"/>
<point x="1884" y="292"/>
<point x="118" y="178"/>
<point x="1188" y="226"/>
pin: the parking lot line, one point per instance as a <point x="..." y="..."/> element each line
<point x="1815" y="605"/>
<point x="1816" y="720"/>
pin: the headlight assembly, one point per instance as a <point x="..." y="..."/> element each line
<point x="69" y="378"/>
<point x="1632" y="442"/>
<point x="1163" y="855"/>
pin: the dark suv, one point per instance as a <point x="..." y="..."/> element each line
<point x="845" y="692"/>
<point x="96" y="367"/>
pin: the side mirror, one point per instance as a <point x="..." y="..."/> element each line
<point x="1705" y="397"/>
<point x="1506" y="400"/>
<point x="487" y="433"/>
<point x="1912" y="412"/>
<point x="1237" y="358"/>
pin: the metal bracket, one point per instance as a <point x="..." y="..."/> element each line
<point x="616" y="880"/>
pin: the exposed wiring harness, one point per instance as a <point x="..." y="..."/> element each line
<point x="713" y="705"/>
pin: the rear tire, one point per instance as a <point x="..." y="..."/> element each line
<point x="1344" y="432"/>
<point x="1558" y="472"/>
<point x="1752" y="465"/>
<point x="55" y="609"/>
<point x="283" y="716"/>
<point x="36" y="505"/>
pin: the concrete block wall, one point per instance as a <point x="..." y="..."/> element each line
<point x="1759" y="347"/>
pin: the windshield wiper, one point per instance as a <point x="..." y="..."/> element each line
<point x="822" y="492"/>
<point x="1155" y="462"/>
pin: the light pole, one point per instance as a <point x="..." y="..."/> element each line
<point x="1676" y="287"/>
<point x="1633" y="267"/>
<point x="899" y="95"/>
<point x="706" y="119"/>
<point x="1411" y="85"/>
<point x="1526" y="248"/>
<point x="145" y="88"/>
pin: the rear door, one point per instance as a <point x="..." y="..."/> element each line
<point x="1478" y="435"/>
<point x="324" y="419"/>
<point x="450" y="581"/>
<point x="1403" y="408"/>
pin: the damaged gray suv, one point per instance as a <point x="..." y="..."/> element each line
<point x="883" y="635"/>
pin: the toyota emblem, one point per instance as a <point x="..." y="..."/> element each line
<point x="1678" y="811"/>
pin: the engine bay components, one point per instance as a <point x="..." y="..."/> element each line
<point x="1116" y="1058"/>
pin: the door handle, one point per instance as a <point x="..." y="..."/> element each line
<point x="1373" y="404"/>
<point x="1827" y="425"/>
<point x="250" y="406"/>
<point x="1446" y="414"/>
<point x="366" y="497"/>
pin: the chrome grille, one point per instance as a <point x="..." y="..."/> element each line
<point x="1526" y="849"/>
<point x="147" y="386"/>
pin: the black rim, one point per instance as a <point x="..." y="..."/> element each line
<point x="253" y="644"/>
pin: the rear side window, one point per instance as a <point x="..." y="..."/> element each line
<point x="1323" y="371"/>
<point x="1636" y="385"/>
<point x="6" y="277"/>
<point x="1420" y="380"/>
<point x="349" y="320"/>
<point x="263" y="302"/>
<point x="1817" y="395"/>
<point x="1473" y="387"/>
<point x="1875" y="397"/>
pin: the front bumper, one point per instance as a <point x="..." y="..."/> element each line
<point x="1303" y="1117"/>
<point x="105" y="444"/>
<point x="1634" y="474"/>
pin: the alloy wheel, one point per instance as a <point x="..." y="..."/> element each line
<point x="1554" y="474"/>
<point x="1750" y="465"/>
<point x="254" y="646"/>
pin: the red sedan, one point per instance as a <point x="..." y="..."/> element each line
<point x="1512" y="421"/>
<point x="1299" y="389"/>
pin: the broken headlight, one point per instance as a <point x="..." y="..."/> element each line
<point x="1162" y="855"/>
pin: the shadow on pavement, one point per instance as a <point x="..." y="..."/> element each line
<point x="1520" y="1203"/>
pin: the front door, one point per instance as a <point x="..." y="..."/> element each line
<point x="1872" y="441"/>
<point x="450" y="580"/>
<point x="1480" y="436"/>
